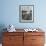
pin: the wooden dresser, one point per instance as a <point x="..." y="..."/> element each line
<point x="23" y="38"/>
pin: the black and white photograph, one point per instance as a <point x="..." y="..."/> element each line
<point x="26" y="13"/>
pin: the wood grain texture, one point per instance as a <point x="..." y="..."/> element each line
<point x="13" y="39"/>
<point x="23" y="38"/>
<point x="34" y="39"/>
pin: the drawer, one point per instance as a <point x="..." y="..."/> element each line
<point x="18" y="44"/>
<point x="37" y="44"/>
<point x="11" y="38"/>
<point x="13" y="33"/>
<point x="34" y="33"/>
<point x="8" y="45"/>
<point x="27" y="37"/>
<point x="12" y="41"/>
<point x="37" y="39"/>
<point x="27" y="40"/>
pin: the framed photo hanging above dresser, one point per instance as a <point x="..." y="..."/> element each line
<point x="26" y="13"/>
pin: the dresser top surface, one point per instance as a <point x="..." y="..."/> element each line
<point x="22" y="30"/>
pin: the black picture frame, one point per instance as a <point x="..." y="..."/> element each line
<point x="26" y="13"/>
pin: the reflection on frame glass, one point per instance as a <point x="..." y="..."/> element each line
<point x="26" y="13"/>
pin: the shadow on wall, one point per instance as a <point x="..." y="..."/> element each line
<point x="2" y="26"/>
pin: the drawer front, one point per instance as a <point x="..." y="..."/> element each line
<point x="12" y="44"/>
<point x="5" y="39"/>
<point x="12" y="39"/>
<point x="37" y="44"/>
<point x="37" y="39"/>
<point x="34" y="33"/>
<point x="13" y="33"/>
<point x="27" y="41"/>
<point x="33" y="39"/>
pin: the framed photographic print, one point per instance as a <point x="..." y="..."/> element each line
<point x="26" y="13"/>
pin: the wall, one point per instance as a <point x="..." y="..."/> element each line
<point x="10" y="13"/>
